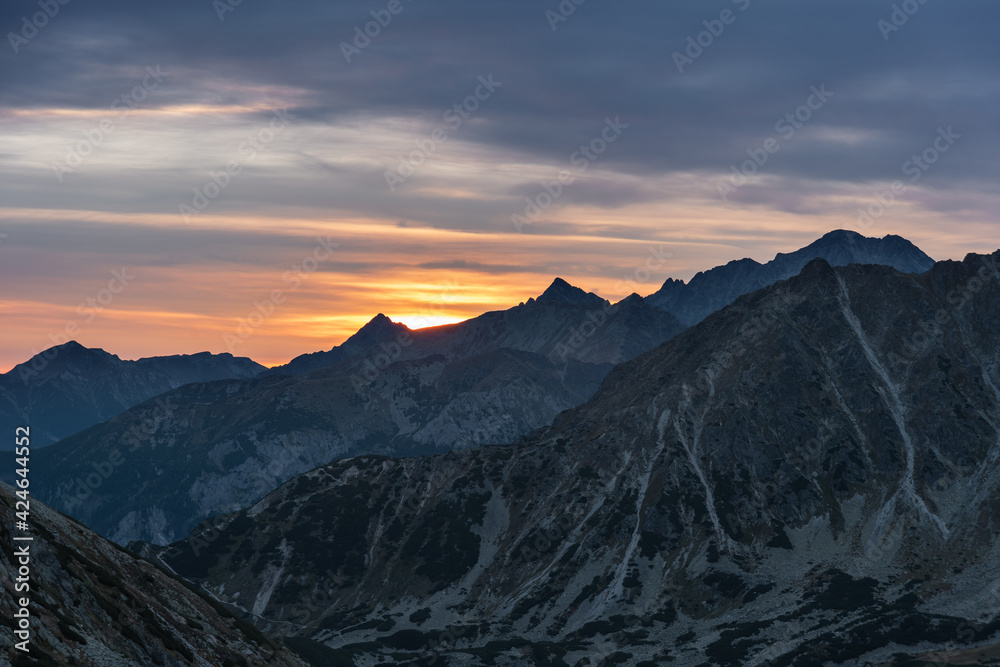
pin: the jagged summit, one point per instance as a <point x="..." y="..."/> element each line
<point x="711" y="290"/>
<point x="561" y="291"/>
<point x="849" y="247"/>
<point x="376" y="330"/>
<point x="379" y="329"/>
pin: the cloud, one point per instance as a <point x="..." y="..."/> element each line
<point x="461" y="264"/>
<point x="353" y="122"/>
<point x="607" y="59"/>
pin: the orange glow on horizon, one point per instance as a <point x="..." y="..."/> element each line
<point x="417" y="322"/>
<point x="415" y="274"/>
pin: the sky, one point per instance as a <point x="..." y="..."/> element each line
<point x="262" y="178"/>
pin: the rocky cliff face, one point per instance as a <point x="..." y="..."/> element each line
<point x="93" y="603"/>
<point x="710" y="290"/>
<point x="200" y="450"/>
<point x="810" y="475"/>
<point x="68" y="388"/>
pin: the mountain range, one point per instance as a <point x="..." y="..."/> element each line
<point x="710" y="290"/>
<point x="208" y="448"/>
<point x="152" y="472"/>
<point x="68" y="388"/>
<point x="808" y="476"/>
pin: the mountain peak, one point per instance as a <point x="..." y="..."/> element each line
<point x="710" y="290"/>
<point x="848" y="247"/>
<point x="633" y="300"/>
<point x="816" y="267"/>
<point x="73" y="350"/>
<point x="73" y="347"/>
<point x="378" y="329"/>
<point x="563" y="292"/>
<point x="841" y="235"/>
<point x="378" y="320"/>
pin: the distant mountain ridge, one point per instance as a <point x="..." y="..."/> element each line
<point x="490" y="379"/>
<point x="711" y="290"/>
<point x="69" y="387"/>
<point x="386" y="390"/>
<point x="380" y="329"/>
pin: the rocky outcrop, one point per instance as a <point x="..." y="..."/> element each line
<point x="93" y="603"/>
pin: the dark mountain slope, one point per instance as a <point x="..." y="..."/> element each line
<point x="808" y="476"/>
<point x="93" y="603"/>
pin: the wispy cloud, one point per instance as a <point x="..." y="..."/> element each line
<point x="354" y="120"/>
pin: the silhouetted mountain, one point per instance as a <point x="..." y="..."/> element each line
<point x="809" y="476"/>
<point x="710" y="290"/>
<point x="67" y="388"/>
<point x="486" y="380"/>
<point x="378" y="330"/>
<point x="563" y="292"/>
<point x="93" y="603"/>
